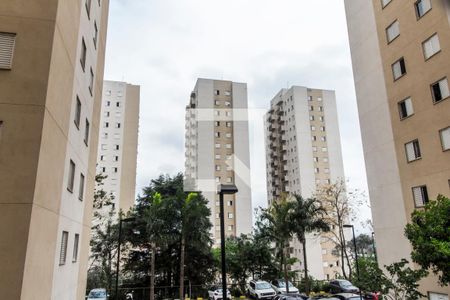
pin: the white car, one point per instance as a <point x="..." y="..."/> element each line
<point x="279" y="286"/>
<point x="97" y="294"/>
<point x="260" y="290"/>
<point x="215" y="293"/>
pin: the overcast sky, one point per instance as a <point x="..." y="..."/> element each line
<point x="165" y="45"/>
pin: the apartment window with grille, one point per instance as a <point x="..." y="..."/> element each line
<point x="7" y="45"/>
<point x="63" y="249"/>
<point x="71" y="178"/>
<point x="440" y="90"/>
<point x="385" y="2"/>
<point x="76" y="241"/>
<point x="412" y="151"/>
<point x="422" y="7"/>
<point x="405" y="108"/>
<point x="399" y="68"/>
<point x="88" y="7"/>
<point x="86" y="132"/>
<point x="95" y="35"/>
<point x="91" y="83"/>
<point x="77" y="113"/>
<point x="420" y="194"/>
<point x="81" y="188"/>
<point x="431" y="46"/>
<point x="393" y="31"/>
<point x="445" y="138"/>
<point x="83" y="54"/>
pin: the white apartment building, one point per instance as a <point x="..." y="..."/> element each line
<point x="118" y="142"/>
<point x="217" y="151"/>
<point x="303" y="152"/>
<point x="51" y="77"/>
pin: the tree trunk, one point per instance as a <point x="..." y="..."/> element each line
<point x="342" y="242"/>
<point x="305" y="265"/>
<point x="286" y="278"/>
<point x="152" y="271"/>
<point x="183" y="242"/>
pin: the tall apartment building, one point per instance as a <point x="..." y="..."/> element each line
<point x="401" y="64"/>
<point x="118" y="141"/>
<point x="303" y="152"/>
<point x="217" y="151"/>
<point x="51" y="76"/>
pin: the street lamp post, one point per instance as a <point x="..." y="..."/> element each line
<point x="356" y="252"/>
<point x="118" y="252"/>
<point x="224" y="189"/>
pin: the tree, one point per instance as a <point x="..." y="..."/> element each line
<point x="275" y="223"/>
<point x="429" y="234"/>
<point x="364" y="246"/>
<point x="371" y="278"/>
<point x="403" y="282"/>
<point x="308" y="216"/>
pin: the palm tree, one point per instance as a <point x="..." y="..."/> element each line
<point x="275" y="223"/>
<point x="308" y="216"/>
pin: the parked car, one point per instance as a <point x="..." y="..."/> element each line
<point x="215" y="293"/>
<point x="348" y="296"/>
<point x="342" y="286"/>
<point x="97" y="294"/>
<point x="279" y="286"/>
<point x="290" y="297"/>
<point x="260" y="290"/>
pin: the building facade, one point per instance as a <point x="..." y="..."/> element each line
<point x="401" y="64"/>
<point x="51" y="76"/>
<point x="217" y="151"/>
<point x="303" y="153"/>
<point x="118" y="142"/>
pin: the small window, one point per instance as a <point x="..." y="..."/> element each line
<point x="412" y="150"/>
<point x="399" y="68"/>
<point x="95" y="35"/>
<point x="440" y="90"/>
<point x="217" y="123"/>
<point x="385" y="2"/>
<point x="7" y="45"/>
<point x="405" y="108"/>
<point x="71" y="178"/>
<point x="227" y="103"/>
<point x="431" y="46"/>
<point x="310" y="98"/>
<point x="313" y="127"/>
<point x="228" y="135"/>
<point x="228" y="146"/>
<point x="230" y="227"/>
<point x="116" y="158"/>
<point x="217" y="113"/>
<point x="324" y="149"/>
<point x="91" y="83"/>
<point x="311" y="118"/>
<point x="393" y="31"/>
<point x="228" y="124"/>
<point x="322" y="128"/>
<point x="217" y="134"/>
<point x="75" y="247"/>
<point x="323" y="138"/>
<point x="216" y="92"/>
<point x="313" y="138"/>
<point x="217" y="146"/>
<point x="320" y="108"/>
<point x="83" y="54"/>
<point x="106" y="124"/>
<point x="229" y="179"/>
<point x="117" y="125"/>
<point x="227" y="93"/>
<point x="230" y="203"/>
<point x="81" y="189"/>
<point x="445" y="138"/>
<point x="77" y="113"/>
<point x="108" y="103"/>
<point x="422" y="7"/>
<point x="216" y="102"/>
<point x="217" y="167"/>
<point x="63" y="249"/>
<point x="88" y="7"/>
<point x="311" y="108"/>
<point x="217" y="156"/>
<point x="117" y="147"/>
<point x="230" y="216"/>
<point x="104" y="147"/>
<point x="86" y="132"/>
<point x="316" y="170"/>
<point x="420" y="195"/>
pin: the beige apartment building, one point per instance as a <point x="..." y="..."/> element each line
<point x="51" y="76"/>
<point x="217" y="152"/>
<point x="401" y="64"/>
<point x="118" y="142"/>
<point x="303" y="153"/>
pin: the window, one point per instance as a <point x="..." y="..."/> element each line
<point x="86" y="132"/>
<point x="230" y="215"/>
<point x="316" y="170"/>
<point x="399" y="68"/>
<point x="420" y="195"/>
<point x="91" y="83"/>
<point x="228" y="113"/>
<point x="81" y="189"/>
<point x="216" y="102"/>
<point x="71" y="179"/>
<point x="313" y="138"/>
<point x="75" y="247"/>
<point x="311" y="118"/>
<point x="217" y="156"/>
<point x="325" y="159"/>
<point x="314" y="149"/>
<point x="412" y="150"/>
<point x="95" y="35"/>
<point x="311" y="108"/>
<point x="216" y="92"/>
<point x="77" y="113"/>
<point x="322" y="128"/>
<point x="316" y="159"/>
<point x="217" y="134"/>
<point x="7" y="45"/>
<point x="104" y="147"/>
<point x="230" y="227"/>
<point x="106" y="124"/>
<point x="117" y="125"/>
<point x="440" y="90"/>
<point x="228" y="135"/>
<point x="228" y="146"/>
<point x="320" y="108"/>
<point x="115" y="170"/>
<point x="83" y="54"/>
<point x="422" y="7"/>
<point x="227" y="103"/>
<point x="218" y="179"/>
<point x="116" y="158"/>
<point x="88" y="7"/>
<point x="437" y="296"/>
<point x="229" y="179"/>
<point x="323" y="138"/>
<point x="102" y="157"/>
<point x="324" y="149"/>
<point x="63" y="249"/>
<point x="322" y="118"/>
<point x="310" y="98"/>
<point x="228" y="124"/>
<point x="445" y="138"/>
<point x="227" y="93"/>
<point x="106" y="114"/>
<point x="405" y="108"/>
<point x="327" y="170"/>
<point x="313" y="127"/>
<point x="393" y="31"/>
<point x="217" y="146"/>
<point x="217" y="123"/>
<point x="431" y="46"/>
<point x="217" y="167"/>
<point x="217" y="113"/>
<point x="385" y="2"/>
<point x="108" y="103"/>
<point x="230" y="203"/>
<point x="117" y="147"/>
<point x="117" y="136"/>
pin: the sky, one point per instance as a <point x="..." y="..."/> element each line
<point x="165" y="45"/>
